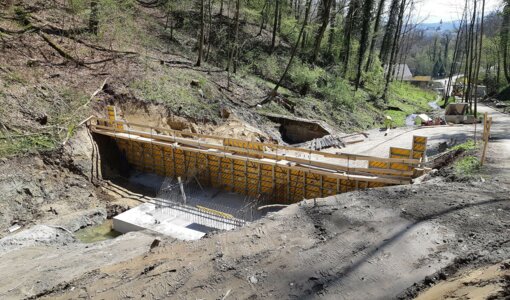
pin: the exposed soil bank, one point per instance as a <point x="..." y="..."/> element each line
<point x="363" y="245"/>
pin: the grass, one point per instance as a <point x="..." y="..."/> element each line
<point x="409" y="100"/>
<point x="467" y="146"/>
<point x="442" y="102"/>
<point x="467" y="165"/>
<point x="26" y="144"/>
<point x="172" y="87"/>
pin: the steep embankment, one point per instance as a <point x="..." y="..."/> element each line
<point x="54" y="73"/>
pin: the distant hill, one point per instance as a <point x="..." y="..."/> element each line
<point x="439" y="27"/>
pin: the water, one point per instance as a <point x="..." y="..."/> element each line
<point x="411" y="119"/>
<point x="97" y="233"/>
<point x="434" y="105"/>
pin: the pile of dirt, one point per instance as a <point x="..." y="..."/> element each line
<point x="367" y="244"/>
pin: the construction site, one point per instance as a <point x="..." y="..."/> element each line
<point x="221" y="183"/>
<point x="262" y="163"/>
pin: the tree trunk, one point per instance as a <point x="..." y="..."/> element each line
<point x="375" y="35"/>
<point x="307" y="15"/>
<point x="275" y="24"/>
<point x="234" y="48"/>
<point x="294" y="50"/>
<point x="326" y="9"/>
<point x="480" y="49"/>
<point x="389" y="33"/>
<point x="332" y="25"/>
<point x="389" y="73"/>
<point x="348" y="28"/>
<point x="263" y="17"/>
<point x="201" y="37"/>
<point x="93" y="19"/>
<point x="454" y="60"/>
<point x="209" y="29"/>
<point x="505" y="27"/>
<point x="365" y="34"/>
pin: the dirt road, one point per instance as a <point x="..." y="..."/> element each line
<point x="378" y="143"/>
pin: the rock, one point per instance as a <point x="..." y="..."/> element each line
<point x="155" y="243"/>
<point x="42" y="119"/>
<point x="253" y="279"/>
<point x="225" y="113"/>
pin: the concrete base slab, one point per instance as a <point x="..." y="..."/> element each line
<point x="174" y="222"/>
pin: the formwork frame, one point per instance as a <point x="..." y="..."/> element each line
<point x="248" y="168"/>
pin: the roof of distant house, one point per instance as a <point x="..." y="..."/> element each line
<point x="421" y="78"/>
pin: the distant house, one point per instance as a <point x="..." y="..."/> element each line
<point x="420" y="81"/>
<point x="402" y="71"/>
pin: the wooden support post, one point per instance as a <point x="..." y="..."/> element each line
<point x="273" y="176"/>
<point x="174" y="162"/>
<point x="486" y="141"/>
<point x="163" y="160"/>
<point x="220" y="176"/>
<point x="321" y="190"/>
<point x="232" y="175"/>
<point x="207" y="168"/>
<point x="304" y="184"/>
<point x="288" y="185"/>
<point x="246" y="177"/>
<point x="184" y="164"/>
<point x="260" y="179"/>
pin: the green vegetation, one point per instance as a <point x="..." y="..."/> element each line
<point x="467" y="146"/>
<point x="173" y="88"/>
<point x="467" y="165"/>
<point x="29" y="143"/>
<point x="408" y="99"/>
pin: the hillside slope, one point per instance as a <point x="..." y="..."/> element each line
<point x="54" y="73"/>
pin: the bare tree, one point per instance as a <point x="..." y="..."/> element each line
<point x="202" y="30"/>
<point x="275" y="24"/>
<point x="93" y="19"/>
<point x="365" y="35"/>
<point x="326" y="9"/>
<point x="294" y="49"/>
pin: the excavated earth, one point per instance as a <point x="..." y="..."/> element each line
<point x="385" y="243"/>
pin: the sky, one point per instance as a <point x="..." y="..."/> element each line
<point x="447" y="10"/>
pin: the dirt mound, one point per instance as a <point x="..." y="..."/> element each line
<point x="362" y="245"/>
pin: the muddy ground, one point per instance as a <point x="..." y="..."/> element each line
<point x="392" y="242"/>
<point x="363" y="245"/>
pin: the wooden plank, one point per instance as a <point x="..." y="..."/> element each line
<point x="486" y="141"/>
<point x="269" y="163"/>
<point x="270" y="146"/>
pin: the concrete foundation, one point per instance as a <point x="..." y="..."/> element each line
<point x="178" y="223"/>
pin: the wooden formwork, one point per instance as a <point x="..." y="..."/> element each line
<point x="248" y="168"/>
<point x="277" y="180"/>
<point x="417" y="151"/>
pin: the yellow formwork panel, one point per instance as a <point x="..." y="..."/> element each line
<point x="282" y="183"/>
<point x="377" y="164"/>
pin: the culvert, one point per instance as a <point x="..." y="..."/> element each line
<point x="297" y="131"/>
